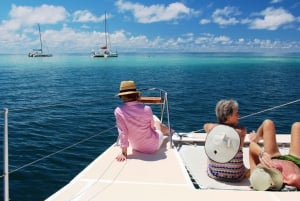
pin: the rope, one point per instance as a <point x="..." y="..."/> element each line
<point x="269" y="109"/>
<point x="59" y="151"/>
<point x="262" y="111"/>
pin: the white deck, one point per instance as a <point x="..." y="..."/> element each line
<point x="160" y="176"/>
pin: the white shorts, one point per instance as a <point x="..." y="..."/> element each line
<point x="161" y="138"/>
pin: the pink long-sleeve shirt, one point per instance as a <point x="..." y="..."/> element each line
<point x="136" y="127"/>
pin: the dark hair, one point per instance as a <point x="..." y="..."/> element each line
<point x="130" y="97"/>
<point x="224" y="108"/>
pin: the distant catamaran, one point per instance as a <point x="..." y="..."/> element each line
<point x="105" y="51"/>
<point x="39" y="52"/>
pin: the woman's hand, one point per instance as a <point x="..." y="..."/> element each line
<point x="242" y="130"/>
<point x="253" y="137"/>
<point x="265" y="159"/>
<point x="121" y="157"/>
<point x="208" y="126"/>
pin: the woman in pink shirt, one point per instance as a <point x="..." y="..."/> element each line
<point x="137" y="126"/>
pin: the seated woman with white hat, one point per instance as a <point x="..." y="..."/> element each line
<point x="224" y="143"/>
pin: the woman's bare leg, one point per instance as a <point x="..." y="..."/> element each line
<point x="295" y="139"/>
<point x="267" y="132"/>
<point x="269" y="138"/>
<point x="159" y="126"/>
<point x="254" y="150"/>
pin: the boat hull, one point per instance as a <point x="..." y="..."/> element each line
<point x="39" y="55"/>
<point x="104" y="55"/>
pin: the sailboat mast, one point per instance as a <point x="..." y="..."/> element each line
<point x="105" y="25"/>
<point x="40" y="38"/>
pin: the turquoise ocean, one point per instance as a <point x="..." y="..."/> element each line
<point x="60" y="109"/>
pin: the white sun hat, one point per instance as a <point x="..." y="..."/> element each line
<point x="263" y="178"/>
<point x="222" y="143"/>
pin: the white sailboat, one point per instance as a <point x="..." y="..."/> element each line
<point x="105" y="50"/>
<point x="39" y="52"/>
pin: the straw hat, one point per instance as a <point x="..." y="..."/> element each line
<point x="222" y="143"/>
<point x="263" y="178"/>
<point x="127" y="87"/>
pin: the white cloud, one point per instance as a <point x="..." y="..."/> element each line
<point x="204" y="21"/>
<point x="202" y="40"/>
<point x="44" y="14"/>
<point x="86" y="16"/>
<point x="21" y="16"/>
<point x="138" y="42"/>
<point x="10" y="25"/>
<point x="241" y="40"/>
<point x="275" y="1"/>
<point x="156" y="13"/>
<point x="272" y="19"/>
<point x="226" y="16"/>
<point x="265" y="44"/>
<point x="185" y="39"/>
<point x="222" y="40"/>
<point x="211" y="39"/>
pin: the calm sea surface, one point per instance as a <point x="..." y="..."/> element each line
<point x="61" y="108"/>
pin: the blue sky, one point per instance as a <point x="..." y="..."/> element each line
<point x="151" y="25"/>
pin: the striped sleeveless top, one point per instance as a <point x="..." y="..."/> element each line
<point x="232" y="171"/>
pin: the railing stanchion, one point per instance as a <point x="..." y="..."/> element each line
<point x="5" y="156"/>
<point x="168" y="118"/>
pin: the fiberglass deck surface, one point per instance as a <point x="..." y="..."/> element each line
<point x="107" y="179"/>
<point x="160" y="176"/>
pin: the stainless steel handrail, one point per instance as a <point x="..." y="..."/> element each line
<point x="164" y="109"/>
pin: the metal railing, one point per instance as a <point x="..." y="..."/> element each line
<point x="162" y="99"/>
<point x="5" y="157"/>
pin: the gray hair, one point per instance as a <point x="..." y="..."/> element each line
<point x="224" y="108"/>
